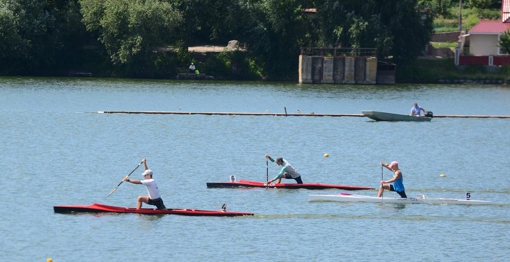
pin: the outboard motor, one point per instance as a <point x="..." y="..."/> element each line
<point x="429" y="114"/>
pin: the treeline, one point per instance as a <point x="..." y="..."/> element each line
<point x="444" y="8"/>
<point x="149" y="38"/>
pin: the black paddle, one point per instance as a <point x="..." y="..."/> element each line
<point x="382" y="185"/>
<point x="115" y="189"/>
<point x="267" y="174"/>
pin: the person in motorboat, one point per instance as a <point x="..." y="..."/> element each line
<point x="154" y="197"/>
<point x="396" y="183"/>
<point x="287" y="171"/>
<point x="416" y="110"/>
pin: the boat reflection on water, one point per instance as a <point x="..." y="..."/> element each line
<point x="396" y="207"/>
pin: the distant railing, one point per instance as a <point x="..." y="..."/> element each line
<point x="502" y="60"/>
<point x="485" y="60"/>
<point x="473" y="60"/>
<point x="336" y="52"/>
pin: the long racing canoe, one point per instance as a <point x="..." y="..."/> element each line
<point x="346" y="197"/>
<point x="384" y="116"/>
<point x="248" y="183"/>
<point x="101" y="208"/>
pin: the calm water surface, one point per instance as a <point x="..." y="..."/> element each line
<point x="58" y="150"/>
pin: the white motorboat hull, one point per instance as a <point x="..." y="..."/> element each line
<point x="384" y="116"/>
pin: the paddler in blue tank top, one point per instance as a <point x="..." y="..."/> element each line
<point x="287" y="171"/>
<point x="397" y="180"/>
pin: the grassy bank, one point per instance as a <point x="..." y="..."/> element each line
<point x="449" y="21"/>
<point x="430" y="71"/>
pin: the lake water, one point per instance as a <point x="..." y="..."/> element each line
<point x="57" y="150"/>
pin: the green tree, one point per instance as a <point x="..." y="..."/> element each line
<point x="484" y="4"/>
<point x="394" y="27"/>
<point x="78" y="49"/>
<point x="40" y="37"/>
<point x="272" y="30"/>
<point x="439" y="7"/>
<point x="504" y="42"/>
<point x="32" y="37"/>
<point x="274" y="34"/>
<point x="131" y="29"/>
<point x="12" y="45"/>
<point x="211" y="21"/>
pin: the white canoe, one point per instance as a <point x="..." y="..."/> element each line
<point x="346" y="197"/>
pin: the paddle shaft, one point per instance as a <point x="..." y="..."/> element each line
<point x="382" y="185"/>
<point x="122" y="181"/>
<point x="267" y="174"/>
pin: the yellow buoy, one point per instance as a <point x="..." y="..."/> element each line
<point x="442" y="175"/>
<point x="49" y="260"/>
<point x="326" y="155"/>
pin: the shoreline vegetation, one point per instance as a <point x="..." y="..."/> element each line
<point x="261" y="40"/>
<point x="443" y="70"/>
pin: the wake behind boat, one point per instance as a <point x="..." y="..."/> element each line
<point x="346" y="197"/>
<point x="100" y="208"/>
<point x="383" y="116"/>
<point x="248" y="183"/>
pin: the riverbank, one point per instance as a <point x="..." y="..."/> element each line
<point x="445" y="71"/>
<point x="424" y="70"/>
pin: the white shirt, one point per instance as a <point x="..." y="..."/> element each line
<point x="416" y="111"/>
<point x="152" y="188"/>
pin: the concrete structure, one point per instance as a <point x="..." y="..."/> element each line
<point x="338" y="66"/>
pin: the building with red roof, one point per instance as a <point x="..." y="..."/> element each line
<point x="505" y="11"/>
<point x="484" y="36"/>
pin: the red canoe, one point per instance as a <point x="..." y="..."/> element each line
<point x="100" y="208"/>
<point x="248" y="183"/>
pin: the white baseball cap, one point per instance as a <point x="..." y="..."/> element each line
<point x="147" y="172"/>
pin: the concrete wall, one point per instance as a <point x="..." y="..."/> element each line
<point x="349" y="70"/>
<point x="305" y="69"/>
<point x="317" y="69"/>
<point x="327" y="74"/>
<point x="337" y="70"/>
<point x="442" y="52"/>
<point x="386" y="77"/>
<point x="359" y="70"/>
<point x="371" y="71"/>
<point x="445" y="37"/>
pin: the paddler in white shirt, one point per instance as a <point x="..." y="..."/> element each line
<point x="416" y="110"/>
<point x="287" y="171"/>
<point x="154" y="197"/>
